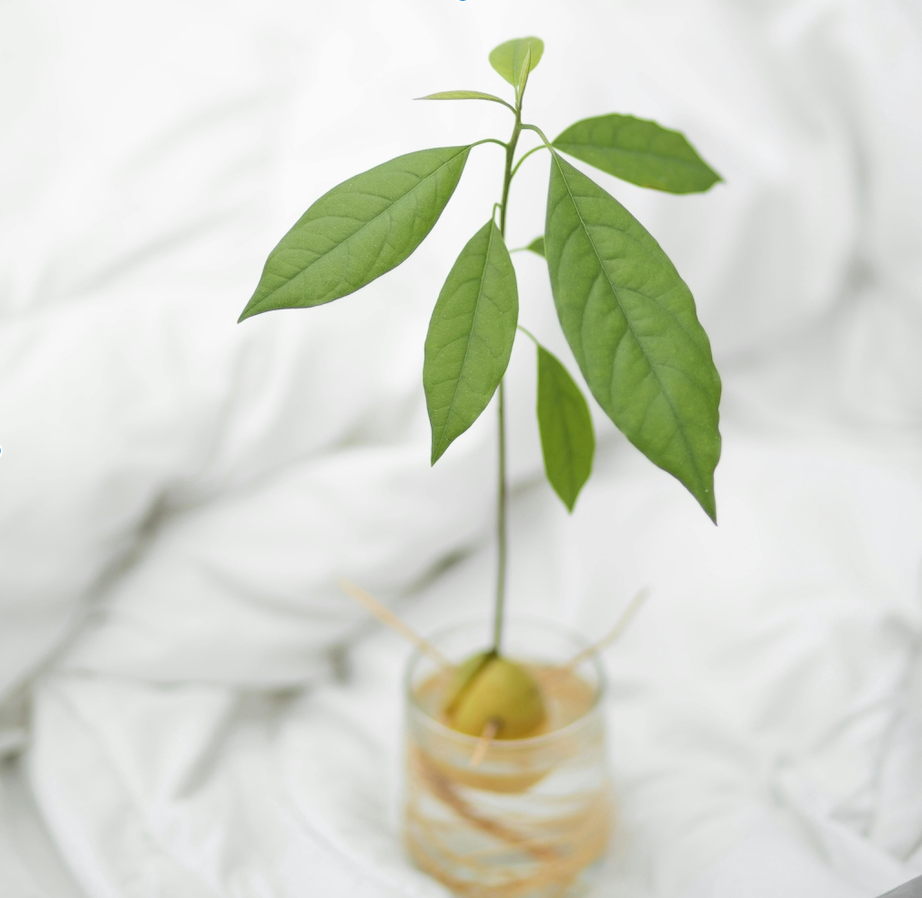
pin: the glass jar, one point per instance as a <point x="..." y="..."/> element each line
<point x="517" y="817"/>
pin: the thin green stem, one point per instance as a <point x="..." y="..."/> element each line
<point x="529" y="153"/>
<point x="508" y="106"/>
<point x="528" y="334"/>
<point x="502" y="488"/>
<point x="500" y="530"/>
<point x="507" y="175"/>
<point x="540" y="134"/>
<point x="495" y="207"/>
<point x="501" y="143"/>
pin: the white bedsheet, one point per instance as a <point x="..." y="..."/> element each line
<point x="188" y="705"/>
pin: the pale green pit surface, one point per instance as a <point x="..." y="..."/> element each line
<point x="488" y="687"/>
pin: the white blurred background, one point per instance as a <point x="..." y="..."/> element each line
<point x="178" y="493"/>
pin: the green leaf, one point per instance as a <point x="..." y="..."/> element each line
<point x="638" y="151"/>
<point x="567" y="438"/>
<point x="537" y="246"/>
<point x="464" y="95"/>
<point x="470" y="336"/>
<point x="509" y="60"/>
<point x="631" y="323"/>
<point x="521" y="76"/>
<point x="359" y="230"/>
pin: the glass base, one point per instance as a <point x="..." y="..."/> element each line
<point x="525" y="817"/>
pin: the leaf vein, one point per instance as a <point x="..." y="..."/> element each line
<point x="678" y="422"/>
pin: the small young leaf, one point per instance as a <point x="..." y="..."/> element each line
<point x="537" y="246"/>
<point x="638" y="151"/>
<point x="359" y="230"/>
<point x="508" y="59"/>
<point x="463" y="95"/>
<point x="567" y="438"/>
<point x="470" y="336"/>
<point x="631" y="323"/>
<point x="521" y="74"/>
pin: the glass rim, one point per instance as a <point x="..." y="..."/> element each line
<point x="508" y="745"/>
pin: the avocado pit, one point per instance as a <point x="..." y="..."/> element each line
<point x="487" y="688"/>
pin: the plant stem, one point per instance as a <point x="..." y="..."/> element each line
<point x="526" y="155"/>
<point x="502" y="490"/>
<point x="500" y="531"/>
<point x="507" y="175"/>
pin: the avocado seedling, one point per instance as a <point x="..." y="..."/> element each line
<point x="627" y="316"/>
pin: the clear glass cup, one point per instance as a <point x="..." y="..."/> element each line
<point x="529" y="816"/>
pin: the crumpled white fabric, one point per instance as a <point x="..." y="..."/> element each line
<point x="197" y="709"/>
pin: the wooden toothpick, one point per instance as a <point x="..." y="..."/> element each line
<point x="483" y="744"/>
<point x="389" y="619"/>
<point x="620" y="626"/>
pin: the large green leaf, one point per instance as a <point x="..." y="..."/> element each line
<point x="638" y="151"/>
<point x="567" y="438"/>
<point x="508" y="59"/>
<point x="631" y="323"/>
<point x="470" y="336"/>
<point x="359" y="230"/>
<point x="463" y="95"/>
